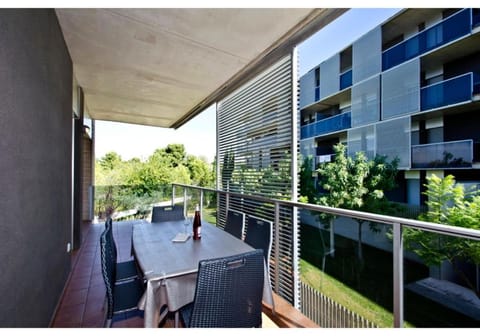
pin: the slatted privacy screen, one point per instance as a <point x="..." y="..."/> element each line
<point x="256" y="134"/>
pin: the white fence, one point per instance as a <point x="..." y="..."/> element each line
<point x="327" y="313"/>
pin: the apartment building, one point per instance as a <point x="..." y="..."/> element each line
<point x="409" y="88"/>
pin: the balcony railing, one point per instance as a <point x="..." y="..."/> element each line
<point x="475" y="17"/>
<point x="346" y="79"/>
<point x="332" y="124"/>
<point x="450" y="29"/>
<point x="395" y="225"/>
<point x="451" y="91"/>
<point x="445" y="155"/>
<point x="476" y="83"/>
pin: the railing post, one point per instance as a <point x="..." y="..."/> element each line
<point x="397" y="276"/>
<point x="173" y="194"/>
<point x="276" y="225"/>
<point x="201" y="201"/>
<point x="227" y="204"/>
<point x="185" y="199"/>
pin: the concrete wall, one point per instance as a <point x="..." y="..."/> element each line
<point x="35" y="165"/>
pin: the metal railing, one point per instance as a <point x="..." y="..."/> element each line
<point x="397" y="224"/>
<point x="450" y="29"/>
<point x="331" y="124"/>
<point x="346" y="79"/>
<point x="446" y="155"/>
<point x="448" y="92"/>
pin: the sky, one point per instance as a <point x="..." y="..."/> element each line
<point x="199" y="134"/>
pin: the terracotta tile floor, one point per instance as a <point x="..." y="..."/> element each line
<point x="82" y="305"/>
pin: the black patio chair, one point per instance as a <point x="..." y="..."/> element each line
<point x="259" y="235"/>
<point x="122" y="298"/>
<point x="125" y="270"/>
<point x="228" y="293"/>
<point x="167" y="213"/>
<point x="235" y="223"/>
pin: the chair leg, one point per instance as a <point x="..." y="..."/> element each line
<point x="108" y="323"/>
<point x="176" y="319"/>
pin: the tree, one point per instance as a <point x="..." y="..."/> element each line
<point x="308" y="192"/>
<point x="356" y="184"/>
<point x="201" y="173"/>
<point x="110" y="161"/>
<point x="449" y="204"/>
<point x="135" y="183"/>
<point x="227" y="169"/>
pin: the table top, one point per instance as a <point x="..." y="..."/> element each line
<point x="159" y="257"/>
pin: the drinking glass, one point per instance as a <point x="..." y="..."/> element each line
<point x="187" y="224"/>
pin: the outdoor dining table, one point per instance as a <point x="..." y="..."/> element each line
<point x="170" y="268"/>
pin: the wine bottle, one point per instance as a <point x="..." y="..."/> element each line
<point x="197" y="224"/>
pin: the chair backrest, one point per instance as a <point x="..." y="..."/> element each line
<point x="110" y="240"/>
<point x="108" y="269"/>
<point x="167" y="213"/>
<point x="235" y="223"/>
<point x="259" y="235"/>
<point x="229" y="292"/>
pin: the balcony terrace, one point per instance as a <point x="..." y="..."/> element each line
<point x="82" y="303"/>
<point x="450" y="29"/>
<point x="328" y="125"/>
<point x="450" y="91"/>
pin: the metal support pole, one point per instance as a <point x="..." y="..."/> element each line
<point x="276" y="226"/>
<point x="397" y="276"/>
<point x="185" y="198"/>
<point x="227" y="205"/>
<point x="173" y="194"/>
<point x="201" y="202"/>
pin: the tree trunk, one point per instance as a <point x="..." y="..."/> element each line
<point x="332" y="238"/>
<point x="359" y="242"/>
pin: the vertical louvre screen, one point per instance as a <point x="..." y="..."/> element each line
<point x="255" y="150"/>
<point x="401" y="90"/>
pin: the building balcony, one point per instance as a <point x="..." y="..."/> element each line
<point x="448" y="30"/>
<point x="444" y="155"/>
<point x="82" y="302"/>
<point x="335" y="123"/>
<point x="451" y="91"/>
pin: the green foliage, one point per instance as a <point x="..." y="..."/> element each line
<point x="201" y="173"/>
<point x="357" y="184"/>
<point x="307" y="186"/>
<point x="136" y="184"/>
<point x="449" y="204"/>
<point x="227" y="168"/>
<point x="110" y="161"/>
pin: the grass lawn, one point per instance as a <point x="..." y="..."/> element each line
<point x="345" y="295"/>
<point x="368" y="289"/>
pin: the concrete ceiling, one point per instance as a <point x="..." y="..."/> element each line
<point x="163" y="66"/>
